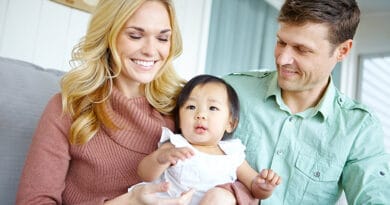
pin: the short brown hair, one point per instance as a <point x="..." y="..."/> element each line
<point x="342" y="16"/>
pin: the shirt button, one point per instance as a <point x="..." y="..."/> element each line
<point x="340" y="100"/>
<point x="317" y="174"/>
<point x="279" y="152"/>
<point x="291" y="119"/>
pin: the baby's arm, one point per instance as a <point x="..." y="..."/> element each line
<point x="154" y="164"/>
<point x="260" y="184"/>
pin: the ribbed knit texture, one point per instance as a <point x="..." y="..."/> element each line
<point x="102" y="169"/>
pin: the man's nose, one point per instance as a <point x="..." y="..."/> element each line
<point x="285" y="56"/>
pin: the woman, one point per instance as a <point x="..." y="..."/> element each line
<point x="110" y="111"/>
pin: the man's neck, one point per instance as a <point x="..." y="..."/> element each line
<point x="299" y="101"/>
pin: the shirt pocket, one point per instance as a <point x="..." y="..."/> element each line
<point x="319" y="176"/>
<point x="320" y="169"/>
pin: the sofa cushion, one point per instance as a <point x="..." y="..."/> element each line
<point x="24" y="92"/>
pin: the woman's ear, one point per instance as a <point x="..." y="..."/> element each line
<point x="344" y="49"/>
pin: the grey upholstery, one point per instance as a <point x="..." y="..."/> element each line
<point x="24" y="92"/>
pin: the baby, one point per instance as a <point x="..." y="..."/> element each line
<point x="203" y="155"/>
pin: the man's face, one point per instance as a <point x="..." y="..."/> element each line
<point x="304" y="57"/>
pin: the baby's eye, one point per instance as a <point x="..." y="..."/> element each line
<point x="190" y="107"/>
<point x="213" y="108"/>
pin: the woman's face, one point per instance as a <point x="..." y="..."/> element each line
<point x="143" y="45"/>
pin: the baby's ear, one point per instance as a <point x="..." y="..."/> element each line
<point x="231" y="125"/>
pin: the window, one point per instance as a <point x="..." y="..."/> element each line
<point x="374" y="88"/>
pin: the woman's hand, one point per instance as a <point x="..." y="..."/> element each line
<point x="145" y="194"/>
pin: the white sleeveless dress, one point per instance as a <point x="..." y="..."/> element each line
<point x="202" y="171"/>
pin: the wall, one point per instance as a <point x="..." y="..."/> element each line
<point x="40" y="31"/>
<point x="371" y="37"/>
<point x="44" y="32"/>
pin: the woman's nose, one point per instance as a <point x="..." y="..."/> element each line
<point x="148" y="48"/>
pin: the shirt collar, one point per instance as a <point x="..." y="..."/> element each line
<point x="273" y="87"/>
<point x="324" y="107"/>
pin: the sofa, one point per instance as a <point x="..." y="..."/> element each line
<point x="25" y="89"/>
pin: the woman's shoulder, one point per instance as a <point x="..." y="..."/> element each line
<point x="54" y="111"/>
<point x="54" y="104"/>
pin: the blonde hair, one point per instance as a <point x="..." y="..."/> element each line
<point x="86" y="89"/>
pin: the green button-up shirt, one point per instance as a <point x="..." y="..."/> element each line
<point x="337" y="145"/>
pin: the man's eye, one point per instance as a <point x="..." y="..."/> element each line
<point x="281" y="43"/>
<point x="303" y="50"/>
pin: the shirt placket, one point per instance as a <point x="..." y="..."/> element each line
<point x="283" y="154"/>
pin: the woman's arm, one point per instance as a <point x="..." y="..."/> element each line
<point x="47" y="162"/>
<point x="153" y="165"/>
<point x="145" y="195"/>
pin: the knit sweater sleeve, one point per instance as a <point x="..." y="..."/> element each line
<point x="47" y="162"/>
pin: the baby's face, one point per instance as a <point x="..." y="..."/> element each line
<point x="205" y="116"/>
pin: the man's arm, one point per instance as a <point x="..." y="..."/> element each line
<point x="366" y="175"/>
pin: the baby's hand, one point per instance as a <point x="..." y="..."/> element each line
<point x="172" y="155"/>
<point x="266" y="180"/>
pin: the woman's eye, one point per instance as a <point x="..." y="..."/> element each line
<point x="163" y="39"/>
<point x="135" y="36"/>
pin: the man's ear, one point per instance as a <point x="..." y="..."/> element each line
<point x="343" y="49"/>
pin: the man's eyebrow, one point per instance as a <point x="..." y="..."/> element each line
<point x="143" y="30"/>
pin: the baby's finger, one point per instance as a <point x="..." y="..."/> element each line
<point x="259" y="179"/>
<point x="279" y="181"/>
<point x="264" y="173"/>
<point x="274" y="180"/>
<point x="187" y="152"/>
<point x="271" y="174"/>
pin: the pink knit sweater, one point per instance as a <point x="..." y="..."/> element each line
<point x="56" y="172"/>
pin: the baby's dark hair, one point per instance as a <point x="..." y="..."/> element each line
<point x="234" y="104"/>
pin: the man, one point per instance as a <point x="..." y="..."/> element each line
<point x="296" y="122"/>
